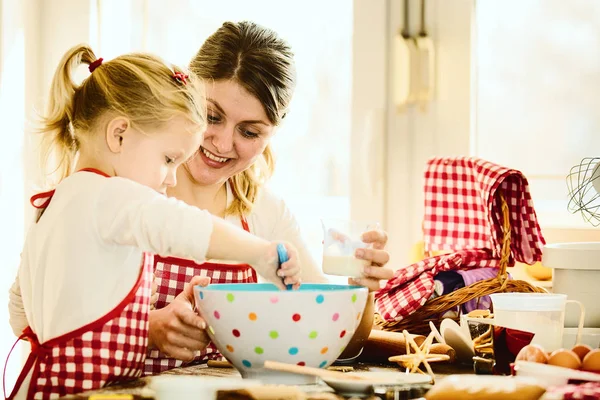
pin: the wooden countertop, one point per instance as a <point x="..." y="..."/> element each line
<point x="140" y="387"/>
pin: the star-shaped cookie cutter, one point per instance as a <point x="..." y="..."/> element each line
<point x="413" y="361"/>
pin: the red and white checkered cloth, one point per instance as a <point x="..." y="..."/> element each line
<point x="463" y="214"/>
<point x="584" y="391"/>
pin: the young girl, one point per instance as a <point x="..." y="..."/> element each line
<point x="85" y="274"/>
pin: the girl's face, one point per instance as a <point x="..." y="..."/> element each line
<point x="152" y="157"/>
<point x="238" y="132"/>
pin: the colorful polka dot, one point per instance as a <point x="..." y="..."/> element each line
<point x="301" y="363"/>
<point x="274" y="299"/>
<point x="259" y="350"/>
<point x="342" y="334"/>
<point x="274" y="334"/>
<point x="230" y="297"/>
<point x="252" y="316"/>
<point x="293" y="351"/>
<point x="217" y="315"/>
<point x="336" y="316"/>
<point x="296" y="317"/>
<point x="229" y="348"/>
<point x="324" y="350"/>
<point x="313" y="335"/>
<point x="210" y="328"/>
<point x="354" y="298"/>
<point x="247" y="363"/>
<point x="320" y="299"/>
<point x="323" y="364"/>
<point x="201" y="296"/>
<point x="236" y="333"/>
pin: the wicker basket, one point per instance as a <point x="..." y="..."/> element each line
<point x="432" y="310"/>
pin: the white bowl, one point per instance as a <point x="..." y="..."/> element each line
<point x="253" y="323"/>
<point x="177" y="387"/>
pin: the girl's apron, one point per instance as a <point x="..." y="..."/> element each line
<point x="172" y="274"/>
<point x="110" y="349"/>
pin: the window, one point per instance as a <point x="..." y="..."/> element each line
<point x="12" y="113"/>
<point x="536" y="98"/>
<point x="316" y="132"/>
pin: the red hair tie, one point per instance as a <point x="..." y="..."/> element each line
<point x="95" y="64"/>
<point x="180" y="77"/>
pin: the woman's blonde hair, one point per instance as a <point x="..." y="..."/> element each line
<point x="263" y="64"/>
<point x="139" y="86"/>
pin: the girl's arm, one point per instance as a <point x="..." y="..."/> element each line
<point x="128" y="213"/>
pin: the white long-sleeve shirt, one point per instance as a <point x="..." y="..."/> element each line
<point x="84" y="254"/>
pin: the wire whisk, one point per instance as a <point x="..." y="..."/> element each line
<point x="583" y="183"/>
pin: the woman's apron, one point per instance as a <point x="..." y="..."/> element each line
<point x="171" y="276"/>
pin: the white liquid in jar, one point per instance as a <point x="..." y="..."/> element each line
<point x="344" y="266"/>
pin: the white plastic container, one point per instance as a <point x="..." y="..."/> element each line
<point x="576" y="274"/>
<point x="542" y="314"/>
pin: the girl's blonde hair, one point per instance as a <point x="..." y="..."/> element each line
<point x="263" y="64"/>
<point x="139" y="86"/>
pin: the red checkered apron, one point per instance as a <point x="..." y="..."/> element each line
<point x="110" y="349"/>
<point x="171" y="275"/>
<point x="463" y="214"/>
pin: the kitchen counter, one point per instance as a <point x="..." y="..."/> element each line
<point x="139" y="387"/>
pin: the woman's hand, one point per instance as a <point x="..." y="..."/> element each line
<point x="377" y="271"/>
<point x="176" y="329"/>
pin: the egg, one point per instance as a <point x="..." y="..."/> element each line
<point x="591" y="362"/>
<point x="533" y="353"/>
<point x="581" y="350"/>
<point x="564" y="358"/>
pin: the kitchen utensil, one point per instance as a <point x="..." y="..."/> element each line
<point x="540" y="313"/>
<point x="404" y="63"/>
<point x="283" y="257"/>
<point x="426" y="60"/>
<point x="341" y="239"/>
<point x="251" y="323"/>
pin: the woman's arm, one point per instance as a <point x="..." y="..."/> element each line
<point x="271" y="212"/>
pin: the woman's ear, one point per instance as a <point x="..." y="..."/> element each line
<point x="115" y="132"/>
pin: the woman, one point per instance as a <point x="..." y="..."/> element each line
<point x="250" y="78"/>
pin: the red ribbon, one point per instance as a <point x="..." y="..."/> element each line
<point x="180" y="77"/>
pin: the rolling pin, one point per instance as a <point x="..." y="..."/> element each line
<point x="382" y="345"/>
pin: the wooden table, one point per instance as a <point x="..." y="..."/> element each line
<point x="139" y="387"/>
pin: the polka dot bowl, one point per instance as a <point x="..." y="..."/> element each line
<point x="253" y="323"/>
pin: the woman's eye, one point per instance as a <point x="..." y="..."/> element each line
<point x="248" y="134"/>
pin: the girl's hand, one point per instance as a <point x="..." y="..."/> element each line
<point x="286" y="274"/>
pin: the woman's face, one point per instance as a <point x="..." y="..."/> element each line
<point x="238" y="132"/>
